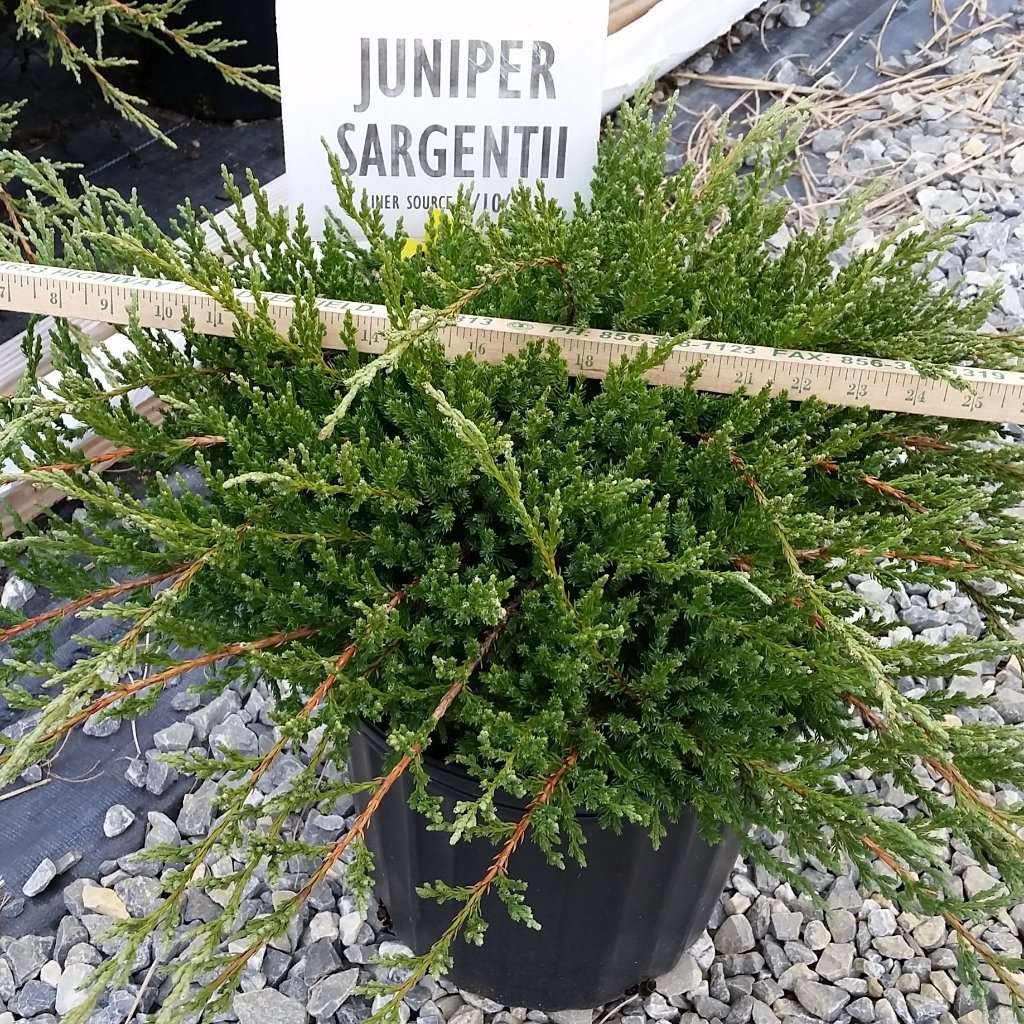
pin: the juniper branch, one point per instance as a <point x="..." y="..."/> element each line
<point x="479" y="889"/>
<point x="359" y="826"/>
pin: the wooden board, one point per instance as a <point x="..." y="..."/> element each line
<point x="625" y="12"/>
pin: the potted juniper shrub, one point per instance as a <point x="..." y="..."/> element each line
<point x="582" y="635"/>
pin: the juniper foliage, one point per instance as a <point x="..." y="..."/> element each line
<point x="608" y="597"/>
<point x="75" y="34"/>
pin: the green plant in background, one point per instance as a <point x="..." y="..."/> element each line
<point x="74" y="33"/>
<point x="608" y="596"/>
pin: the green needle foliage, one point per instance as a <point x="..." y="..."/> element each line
<point x="74" y="33"/>
<point x="604" y="596"/>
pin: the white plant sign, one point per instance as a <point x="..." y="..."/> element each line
<point x="420" y="99"/>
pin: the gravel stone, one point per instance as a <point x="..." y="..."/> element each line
<point x="7" y="984"/>
<point x="327" y="995"/>
<point x="106" y="902"/>
<point x="734" y="936"/>
<point x="232" y="734"/>
<point x="710" y="1008"/>
<point x="825" y="1002"/>
<point x="893" y="946"/>
<point x="196" y="815"/>
<point x="136" y="772"/>
<point x="160" y="776"/>
<point x="836" y="961"/>
<point x="268" y="1007"/>
<point x="213" y="714"/>
<point x="69" y="934"/>
<point x="321" y="960"/>
<point x="323" y="926"/>
<point x="16" y="593"/>
<point x="35" y="998"/>
<point x="100" y="727"/>
<point x="26" y="957"/>
<point x="842" y="925"/>
<point x="175" y="738"/>
<point x="827" y="140"/>
<point x="186" y="700"/>
<point x="1010" y="705"/>
<point x="140" y="896"/>
<point x="786" y="924"/>
<point x="162" y="831"/>
<point x="742" y="963"/>
<point x="816" y="935"/>
<point x="43" y="875"/>
<point x="117" y="821"/>
<point x="862" y="1010"/>
<point x="794" y="15"/>
<point x="682" y="979"/>
<point x="717" y="987"/>
<point x="741" y="1010"/>
<point x="923" y="1008"/>
<point x="977" y="881"/>
<point x="843" y="895"/>
<point x="881" y="923"/>
<point x="797" y="972"/>
<point x="482" y="1003"/>
<point x="930" y="933"/>
<point x="657" y="1007"/>
<point x="73" y="896"/>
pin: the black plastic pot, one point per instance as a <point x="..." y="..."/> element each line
<point x="624" y="918"/>
<point x="174" y="81"/>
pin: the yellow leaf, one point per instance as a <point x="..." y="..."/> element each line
<point x="413" y="245"/>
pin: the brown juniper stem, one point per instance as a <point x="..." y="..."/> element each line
<point x="318" y="696"/>
<point x="382" y="789"/>
<point x="946" y="769"/>
<point x="122" y="453"/>
<point x="979" y="947"/>
<point x="188" y="47"/>
<point x="939" y="561"/>
<point x="16" y="226"/>
<point x="160" y="678"/>
<point x="104" y="594"/>
<point x="499" y="866"/>
<point x="880" y="486"/>
<point x="921" y="442"/>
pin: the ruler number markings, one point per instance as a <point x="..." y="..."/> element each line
<point x="843" y="379"/>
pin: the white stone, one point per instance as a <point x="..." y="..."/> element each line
<point x="105" y="902"/>
<point x="349" y="928"/>
<point x="68" y="995"/>
<point x="50" y="974"/>
<point x="794" y="16"/>
<point x="43" y="875"/>
<point x="117" y="821"/>
<point x="16" y="593"/>
<point x="572" y="1016"/>
<point x="323" y="926"/>
<point x="930" y="933"/>
<point x="977" y="881"/>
